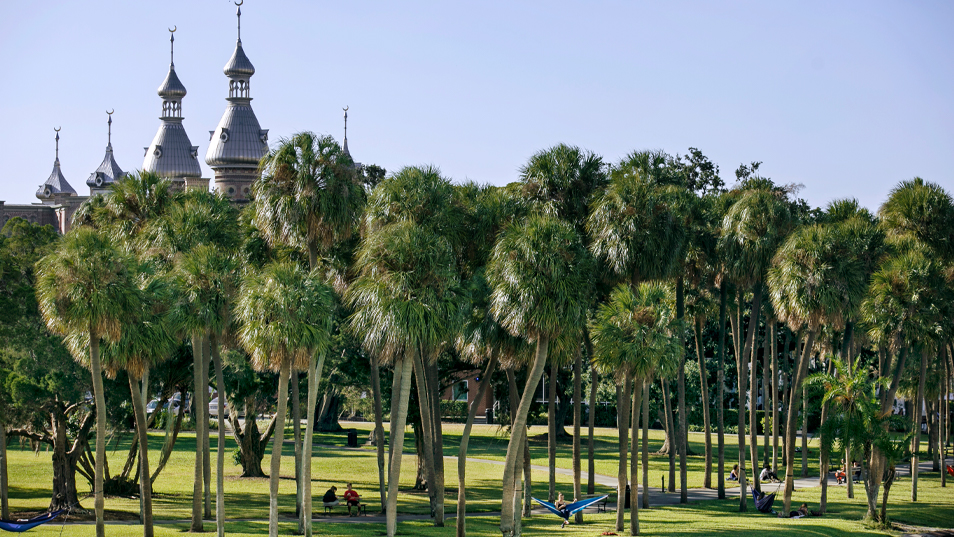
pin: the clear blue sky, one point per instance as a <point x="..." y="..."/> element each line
<point x="846" y="97"/>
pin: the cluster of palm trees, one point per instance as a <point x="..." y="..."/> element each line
<point x="578" y="260"/>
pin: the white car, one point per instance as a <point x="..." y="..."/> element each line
<point x="214" y="408"/>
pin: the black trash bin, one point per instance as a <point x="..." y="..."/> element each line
<point x="353" y="438"/>
<point x="626" y="505"/>
<point x="489" y="414"/>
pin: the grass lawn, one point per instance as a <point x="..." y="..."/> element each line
<point x="31" y="475"/>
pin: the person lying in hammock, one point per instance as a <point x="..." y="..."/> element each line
<point x="563" y="510"/>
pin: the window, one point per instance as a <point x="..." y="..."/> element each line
<point x="460" y="391"/>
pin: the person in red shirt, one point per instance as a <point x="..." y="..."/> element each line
<point x="352" y="498"/>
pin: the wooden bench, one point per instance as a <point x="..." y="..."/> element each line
<point x="362" y="508"/>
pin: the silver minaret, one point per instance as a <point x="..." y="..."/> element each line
<point x="171" y="154"/>
<point x="55" y="187"/>
<point x="238" y="144"/>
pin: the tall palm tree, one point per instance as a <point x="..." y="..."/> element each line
<point x="752" y="229"/>
<point x="408" y="303"/>
<point x="907" y="303"/>
<point x="285" y="315"/>
<point x="632" y="336"/>
<point x="423" y="197"/>
<point x="88" y="286"/>
<point x="815" y="280"/>
<point x="539" y="272"/>
<point x="309" y="198"/>
<point x="146" y="340"/>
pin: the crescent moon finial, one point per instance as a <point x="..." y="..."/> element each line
<point x="239" y="3"/>
<point x="58" y="129"/>
<point x="110" y="112"/>
<point x="346" y="108"/>
<point x="173" y="29"/>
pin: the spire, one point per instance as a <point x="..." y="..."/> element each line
<point x="108" y="171"/>
<point x="172" y="91"/>
<point x="55" y="183"/>
<point x="172" y="47"/>
<point x="345" y="144"/>
<point x="109" y="135"/>
<point x="238" y="15"/>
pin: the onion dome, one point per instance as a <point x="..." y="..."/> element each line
<point x="109" y="171"/>
<point x="172" y="87"/>
<point x="56" y="183"/>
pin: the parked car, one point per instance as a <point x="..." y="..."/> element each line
<point x="214" y="408"/>
<point x="174" y="404"/>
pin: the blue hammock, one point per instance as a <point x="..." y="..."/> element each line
<point x="763" y="501"/>
<point x="19" y="526"/>
<point x="570" y="509"/>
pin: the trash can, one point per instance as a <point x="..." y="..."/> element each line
<point x="353" y="438"/>
<point x="489" y="413"/>
<point x="626" y="505"/>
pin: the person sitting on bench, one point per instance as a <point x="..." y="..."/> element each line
<point x="330" y="499"/>
<point x="734" y="474"/>
<point x="352" y="499"/>
<point x="840" y="476"/>
<point x="767" y="474"/>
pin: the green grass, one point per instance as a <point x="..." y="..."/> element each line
<point x="31" y="475"/>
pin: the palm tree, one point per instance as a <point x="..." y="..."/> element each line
<point x="816" y="279"/>
<point x="539" y="272"/>
<point x="408" y="304"/>
<point x="309" y="198"/>
<point x="146" y="340"/>
<point x="285" y="315"/>
<point x="752" y="229"/>
<point x="423" y="197"/>
<point x="632" y="336"/>
<point x="197" y="220"/>
<point x="88" y="286"/>
<point x="907" y="303"/>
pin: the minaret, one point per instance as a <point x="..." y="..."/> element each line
<point x="171" y="154"/>
<point x="108" y="172"/>
<point x="238" y="144"/>
<point x="56" y="187"/>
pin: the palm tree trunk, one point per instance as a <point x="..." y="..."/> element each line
<point x="145" y="487"/>
<point x="741" y="369"/>
<point x="682" y="433"/>
<point x="399" y="401"/>
<point x="671" y="434"/>
<point x="378" y="423"/>
<point x="206" y="447"/>
<point x="314" y="379"/>
<point x="220" y="441"/>
<point x="591" y="417"/>
<point x="720" y="378"/>
<point x="551" y="422"/>
<point x="623" y="430"/>
<point x="767" y="400"/>
<point x="577" y="418"/>
<point x="296" y="436"/>
<point x="100" y="398"/>
<point x="776" y="398"/>
<point x="751" y="345"/>
<point x="465" y="441"/>
<point x="437" y="439"/>
<point x="4" y="499"/>
<point x="918" y="402"/>
<point x="274" y="474"/>
<point x="801" y="369"/>
<point x="823" y="457"/>
<point x="518" y="435"/>
<point x="634" y="463"/>
<point x="804" y="431"/>
<point x="645" y="496"/>
<point x="427" y="417"/>
<point x="197" y="400"/>
<point x="943" y="407"/>
<point x="704" y="388"/>
<point x="848" y="471"/>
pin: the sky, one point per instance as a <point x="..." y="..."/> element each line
<point x="847" y="98"/>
